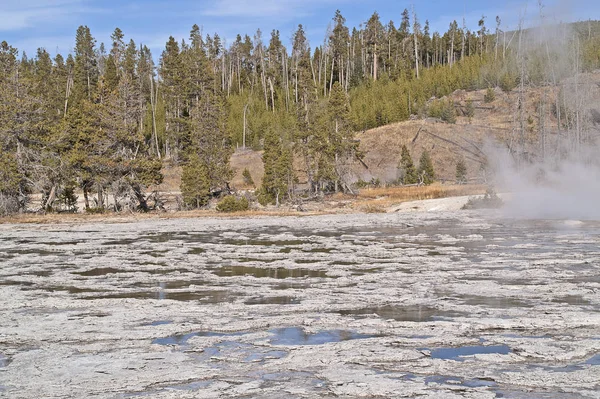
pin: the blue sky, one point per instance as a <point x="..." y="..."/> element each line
<point x="29" y="24"/>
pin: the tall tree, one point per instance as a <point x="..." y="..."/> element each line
<point x="85" y="78"/>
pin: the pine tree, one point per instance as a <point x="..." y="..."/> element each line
<point x="425" y="171"/>
<point x="11" y="183"/>
<point x="85" y="78"/>
<point x="195" y="183"/>
<point x="461" y="171"/>
<point x="277" y="160"/>
<point x="340" y="132"/>
<point x="111" y="76"/>
<point x="408" y="173"/>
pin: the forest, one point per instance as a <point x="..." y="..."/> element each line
<point x="102" y="122"/>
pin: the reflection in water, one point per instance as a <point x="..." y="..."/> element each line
<point x="262" y="272"/>
<point x="414" y="313"/>
<point x="459" y="353"/>
<point x="297" y="336"/>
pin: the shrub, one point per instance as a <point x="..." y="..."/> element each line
<point x="489" y="201"/>
<point x="95" y="210"/>
<point x="470" y="111"/>
<point x="247" y="177"/>
<point x="425" y="171"/>
<point x="461" y="171"/>
<point x="489" y="96"/>
<point x="195" y="183"/>
<point x="408" y="173"/>
<point x="443" y="109"/>
<point x="508" y="82"/>
<point x="233" y="204"/>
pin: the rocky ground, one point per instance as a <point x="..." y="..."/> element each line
<point x="437" y="304"/>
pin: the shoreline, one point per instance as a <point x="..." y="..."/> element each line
<point x="451" y="203"/>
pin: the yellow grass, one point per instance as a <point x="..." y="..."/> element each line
<point x="415" y="193"/>
<point x="375" y="198"/>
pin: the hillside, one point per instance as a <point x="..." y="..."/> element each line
<point x="496" y="121"/>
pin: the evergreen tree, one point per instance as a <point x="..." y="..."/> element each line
<point x="278" y="178"/>
<point x="461" y="171"/>
<point x="338" y="41"/>
<point x="341" y="135"/>
<point x="195" y="183"/>
<point x="408" y="173"/>
<point x="85" y="78"/>
<point x="111" y="76"/>
<point x="425" y="171"/>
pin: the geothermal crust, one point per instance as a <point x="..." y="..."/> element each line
<point x="435" y="305"/>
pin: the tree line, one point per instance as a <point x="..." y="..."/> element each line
<point x="103" y="121"/>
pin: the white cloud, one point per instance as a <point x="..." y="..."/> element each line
<point x="266" y="8"/>
<point x="19" y="14"/>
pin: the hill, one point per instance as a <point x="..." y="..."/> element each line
<point x="496" y="121"/>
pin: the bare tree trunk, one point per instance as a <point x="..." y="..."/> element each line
<point x="86" y="198"/>
<point x="464" y="30"/>
<point x="375" y="62"/>
<point x="272" y="94"/>
<point x="244" y="133"/>
<point x="153" y="106"/>
<point x="416" y="56"/>
<point x="325" y="78"/>
<point x="331" y="79"/>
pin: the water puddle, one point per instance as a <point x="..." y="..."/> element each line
<point x="33" y="251"/>
<point x="58" y="243"/>
<point x="318" y="250"/>
<point x="155" y="253"/>
<point x="298" y="377"/>
<point x="172" y="284"/>
<point x="291" y="285"/>
<point x="306" y="261"/>
<point x="196" y="251"/>
<point x="461" y="352"/>
<point x="276" y="273"/>
<point x="4" y="360"/>
<point x="124" y="241"/>
<point x="469" y="383"/>
<point x="100" y="271"/>
<point x="343" y="263"/>
<point x="253" y="260"/>
<point x="594" y="360"/>
<point x="17" y="283"/>
<point x="210" y="297"/>
<point x="191" y="386"/>
<point x="239" y="352"/>
<point x="364" y="272"/>
<point x="574" y="300"/>
<point x="507" y="394"/>
<point x="158" y="323"/>
<point x="495" y="302"/>
<point x="260" y="357"/>
<point x="263" y="243"/>
<point x="297" y="336"/>
<point x="273" y="300"/>
<point x="589" y="279"/>
<point x="413" y="313"/>
<point x="73" y="290"/>
<point x="182" y="339"/>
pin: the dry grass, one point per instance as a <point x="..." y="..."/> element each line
<point x="375" y="198"/>
<point x="247" y="159"/>
<point x="415" y="193"/>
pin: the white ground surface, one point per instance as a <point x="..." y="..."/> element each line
<point x="442" y="304"/>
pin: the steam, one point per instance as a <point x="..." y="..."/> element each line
<point x="551" y="167"/>
<point x="567" y="189"/>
